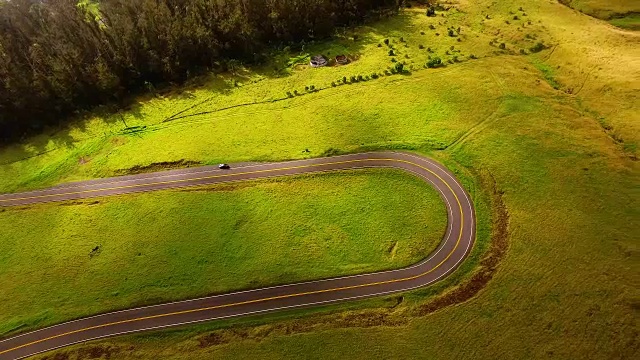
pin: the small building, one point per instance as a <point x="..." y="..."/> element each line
<point x="342" y="59"/>
<point x="318" y="61"/>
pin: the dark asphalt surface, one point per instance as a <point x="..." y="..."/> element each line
<point x="453" y="249"/>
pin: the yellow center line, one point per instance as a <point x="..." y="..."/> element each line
<point x="193" y="179"/>
<point x="267" y="298"/>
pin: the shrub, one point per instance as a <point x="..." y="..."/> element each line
<point x="374" y="76"/>
<point x="289" y="94"/>
<point x="306" y="88"/>
<point x="502" y="46"/>
<point x="429" y="49"/>
<point x="386" y="41"/>
<point x="537" y="47"/>
<point x="391" y="53"/>
<point x="401" y="39"/>
<point x="516" y="17"/>
<point x="312" y="88"/>
<point x="360" y="78"/>
<point x="450" y="61"/>
<point x="421" y="32"/>
<point x="432" y="27"/>
<point x="455" y="58"/>
<point x="344" y="79"/>
<point x="399" y="67"/>
<point x="406" y="56"/>
<point x="333" y="84"/>
<point x="379" y="45"/>
<point x="437" y="34"/>
<point x="459" y="40"/>
<point x="431" y="11"/>
<point x="452" y="33"/>
<point x="435" y="62"/>
<point x="523" y="52"/>
<point x="295" y="92"/>
<point x="472" y="56"/>
<point x="393" y="60"/>
<point x="386" y="72"/>
<point x="353" y="79"/>
<point x="420" y="46"/>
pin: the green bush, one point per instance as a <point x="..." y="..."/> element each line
<point x="434" y="63"/>
<point x="537" y="47"/>
<point x="503" y="46"/>
<point x="420" y="46"/>
<point x="353" y="79"/>
<point x="399" y="67"/>
<point x="386" y="42"/>
<point x="391" y="53"/>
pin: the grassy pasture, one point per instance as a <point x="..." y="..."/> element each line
<point x="557" y="129"/>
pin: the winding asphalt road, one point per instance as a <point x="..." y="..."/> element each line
<point x="453" y="249"/>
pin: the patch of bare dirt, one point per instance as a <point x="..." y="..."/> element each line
<point x="97" y="352"/>
<point x="489" y="264"/>
<point x="165" y="165"/>
<point x="79" y="202"/>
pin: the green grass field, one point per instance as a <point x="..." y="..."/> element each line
<point x="558" y="130"/>
<point x="171" y="245"/>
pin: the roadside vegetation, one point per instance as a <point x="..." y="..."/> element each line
<point x="532" y="94"/>
<point x="113" y="253"/>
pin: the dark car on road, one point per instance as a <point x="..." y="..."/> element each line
<point x="224" y="166"/>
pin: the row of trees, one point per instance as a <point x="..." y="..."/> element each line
<point x="59" y="56"/>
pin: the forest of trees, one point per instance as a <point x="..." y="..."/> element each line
<point x="61" y="56"/>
